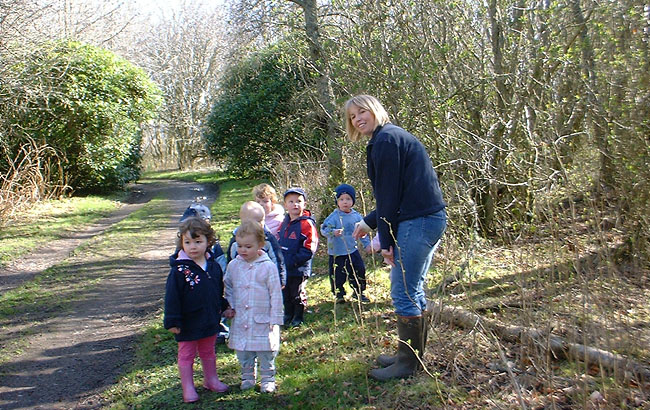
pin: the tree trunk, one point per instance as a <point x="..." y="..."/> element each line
<point x="324" y="92"/>
<point x="596" y="111"/>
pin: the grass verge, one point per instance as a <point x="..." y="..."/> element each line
<point x="50" y="220"/>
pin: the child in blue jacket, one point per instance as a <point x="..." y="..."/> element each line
<point x="298" y="240"/>
<point x="345" y="262"/>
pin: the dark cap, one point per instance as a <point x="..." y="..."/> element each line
<point x="295" y="190"/>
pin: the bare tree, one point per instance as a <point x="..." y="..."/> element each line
<point x="320" y="63"/>
<point x="184" y="55"/>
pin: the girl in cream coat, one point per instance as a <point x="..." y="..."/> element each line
<point x="252" y="287"/>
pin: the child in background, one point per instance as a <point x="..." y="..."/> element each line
<point x="345" y="261"/>
<point x="298" y="240"/>
<point x="197" y="209"/>
<point x="253" y="290"/>
<point x="375" y="245"/>
<point x="252" y="211"/>
<point x="266" y="196"/>
<point x="193" y="304"/>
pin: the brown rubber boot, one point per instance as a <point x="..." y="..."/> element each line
<point x="409" y="330"/>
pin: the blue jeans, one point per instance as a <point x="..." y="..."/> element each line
<point x="416" y="241"/>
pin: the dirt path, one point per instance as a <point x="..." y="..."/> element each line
<point x="27" y="267"/>
<point x="75" y="354"/>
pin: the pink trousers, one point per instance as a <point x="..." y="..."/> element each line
<point x="205" y="347"/>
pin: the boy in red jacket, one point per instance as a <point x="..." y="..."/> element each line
<point x="298" y="240"/>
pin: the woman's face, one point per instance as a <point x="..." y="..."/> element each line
<point x="362" y="120"/>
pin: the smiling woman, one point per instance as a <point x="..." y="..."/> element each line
<point x="410" y="219"/>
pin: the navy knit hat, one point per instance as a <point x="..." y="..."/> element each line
<point x="346" y="189"/>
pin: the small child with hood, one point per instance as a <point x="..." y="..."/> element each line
<point x="193" y="304"/>
<point x="253" y="290"/>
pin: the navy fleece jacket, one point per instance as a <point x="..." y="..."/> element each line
<point x="194" y="297"/>
<point x="403" y="181"/>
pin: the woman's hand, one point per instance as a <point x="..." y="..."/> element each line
<point x="361" y="229"/>
<point x="175" y="330"/>
<point x="388" y="256"/>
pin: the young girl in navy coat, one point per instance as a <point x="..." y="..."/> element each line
<point x="193" y="304"/>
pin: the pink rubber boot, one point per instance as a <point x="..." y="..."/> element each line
<point x="187" y="382"/>
<point x="210" y="379"/>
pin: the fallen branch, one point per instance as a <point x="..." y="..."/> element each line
<point x="500" y="306"/>
<point x="559" y="347"/>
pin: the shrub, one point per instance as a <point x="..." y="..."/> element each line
<point x="84" y="102"/>
<point x="257" y="118"/>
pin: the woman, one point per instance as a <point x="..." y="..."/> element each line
<point x="409" y="217"/>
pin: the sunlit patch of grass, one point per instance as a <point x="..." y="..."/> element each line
<point x="225" y="210"/>
<point x="201" y="176"/>
<point x="50" y="220"/>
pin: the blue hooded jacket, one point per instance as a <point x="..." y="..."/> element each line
<point x="344" y="244"/>
<point x="194" y="297"/>
<point x="298" y="240"/>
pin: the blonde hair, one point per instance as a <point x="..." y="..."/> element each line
<point x="196" y="227"/>
<point x="249" y="227"/>
<point x="369" y="103"/>
<point x="251" y="210"/>
<point x="265" y="191"/>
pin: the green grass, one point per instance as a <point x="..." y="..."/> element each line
<point x="204" y="176"/>
<point x="225" y="211"/>
<point x="50" y="220"/>
<point x="321" y="365"/>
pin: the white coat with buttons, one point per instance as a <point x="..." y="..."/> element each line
<point x="254" y="292"/>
